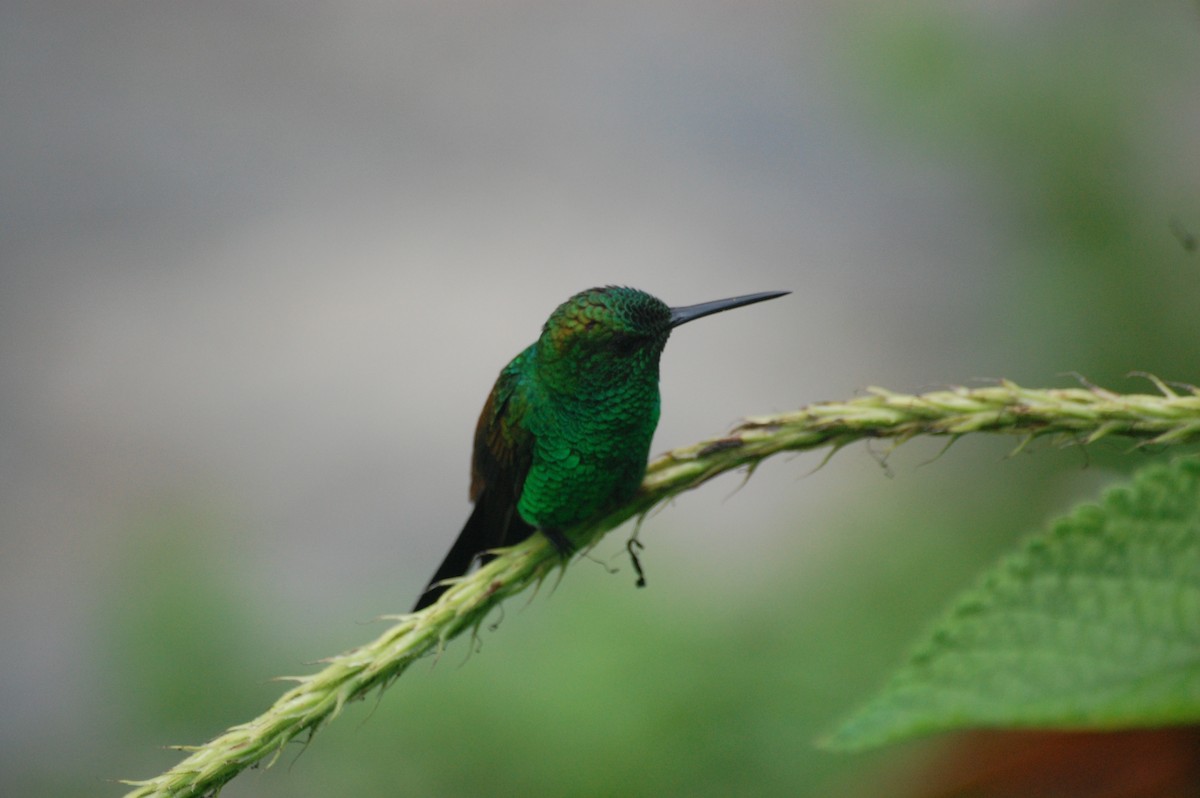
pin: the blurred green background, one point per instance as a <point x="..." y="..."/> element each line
<point x="260" y="263"/>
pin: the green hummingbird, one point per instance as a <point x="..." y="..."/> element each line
<point x="565" y="432"/>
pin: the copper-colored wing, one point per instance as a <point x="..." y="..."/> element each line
<point x="503" y="453"/>
<point x="503" y="441"/>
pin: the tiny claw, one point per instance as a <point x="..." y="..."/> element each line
<point x="630" y="546"/>
<point x="562" y="545"/>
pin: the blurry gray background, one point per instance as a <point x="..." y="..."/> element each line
<point x="260" y="263"/>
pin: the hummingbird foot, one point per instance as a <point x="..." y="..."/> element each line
<point x="564" y="547"/>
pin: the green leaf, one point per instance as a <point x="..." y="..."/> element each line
<point x="1092" y="625"/>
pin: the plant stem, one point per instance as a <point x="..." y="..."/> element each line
<point x="1080" y="414"/>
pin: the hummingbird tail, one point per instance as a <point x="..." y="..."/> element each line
<point x="493" y="523"/>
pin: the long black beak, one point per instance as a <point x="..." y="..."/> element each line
<point x="692" y="312"/>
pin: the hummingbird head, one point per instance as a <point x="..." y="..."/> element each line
<point x="611" y="321"/>
<point x="603" y="339"/>
<point x="607" y="334"/>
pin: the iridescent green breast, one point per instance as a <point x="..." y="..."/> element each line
<point x="592" y="404"/>
<point x="587" y="455"/>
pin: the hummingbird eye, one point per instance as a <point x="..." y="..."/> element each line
<point x="625" y="344"/>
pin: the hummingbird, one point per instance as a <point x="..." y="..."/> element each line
<point x="565" y="432"/>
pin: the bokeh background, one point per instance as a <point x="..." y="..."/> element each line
<point x="260" y="263"/>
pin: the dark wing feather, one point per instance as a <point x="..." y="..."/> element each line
<point x="503" y="452"/>
<point x="503" y="441"/>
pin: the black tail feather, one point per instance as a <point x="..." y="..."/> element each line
<point x="493" y="523"/>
